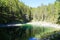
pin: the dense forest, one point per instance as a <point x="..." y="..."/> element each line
<point x="16" y="11"/>
<point x="49" y="13"/>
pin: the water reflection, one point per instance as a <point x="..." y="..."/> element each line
<point x="24" y="32"/>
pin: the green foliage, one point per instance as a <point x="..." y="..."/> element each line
<point x="49" y="13"/>
<point x="14" y="10"/>
<point x="58" y="0"/>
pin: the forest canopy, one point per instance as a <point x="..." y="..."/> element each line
<point x="16" y="11"/>
<point x="49" y="13"/>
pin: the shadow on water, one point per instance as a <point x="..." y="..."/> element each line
<point x="23" y="32"/>
<point x="15" y="33"/>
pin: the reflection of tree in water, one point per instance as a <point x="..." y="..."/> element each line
<point x="15" y="33"/>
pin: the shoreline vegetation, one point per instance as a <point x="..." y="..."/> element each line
<point x="14" y="11"/>
<point x="42" y="22"/>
